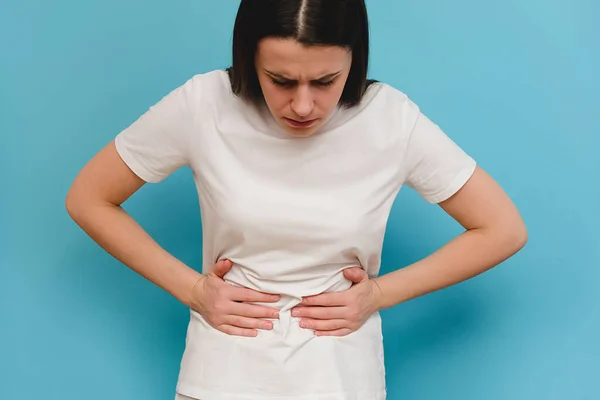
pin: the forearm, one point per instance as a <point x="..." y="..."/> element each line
<point x="470" y="254"/>
<point x="120" y="235"/>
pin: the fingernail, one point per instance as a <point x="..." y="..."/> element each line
<point x="268" y="326"/>
<point x="276" y="315"/>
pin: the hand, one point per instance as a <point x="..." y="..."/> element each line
<point x="225" y="307"/>
<point x="341" y="313"/>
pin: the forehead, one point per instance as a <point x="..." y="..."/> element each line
<point x="291" y="58"/>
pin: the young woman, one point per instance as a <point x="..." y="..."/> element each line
<point x="297" y="159"/>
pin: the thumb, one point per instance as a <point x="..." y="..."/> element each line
<point x="222" y="267"/>
<point x="355" y="274"/>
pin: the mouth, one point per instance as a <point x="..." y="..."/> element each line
<point x="300" y="124"/>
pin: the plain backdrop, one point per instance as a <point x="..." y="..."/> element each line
<point x="515" y="83"/>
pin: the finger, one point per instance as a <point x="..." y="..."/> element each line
<point x="248" y="323"/>
<point x="323" y="325"/>
<point x="319" y="312"/>
<point x="338" y="332"/>
<point x="325" y="299"/>
<point x="235" y="331"/>
<point x="254" y="311"/>
<point x="252" y="296"/>
<point x="355" y="274"/>
<point x="222" y="267"/>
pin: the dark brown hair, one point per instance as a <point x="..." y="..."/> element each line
<point x="311" y="22"/>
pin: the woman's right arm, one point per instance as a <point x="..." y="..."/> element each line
<point x="94" y="203"/>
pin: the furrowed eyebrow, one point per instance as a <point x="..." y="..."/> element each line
<point x="322" y="78"/>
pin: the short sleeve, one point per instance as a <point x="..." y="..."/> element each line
<point x="436" y="167"/>
<point x="157" y="143"/>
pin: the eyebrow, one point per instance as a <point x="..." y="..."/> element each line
<point x="282" y="77"/>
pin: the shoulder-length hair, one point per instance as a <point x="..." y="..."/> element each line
<point x="311" y="22"/>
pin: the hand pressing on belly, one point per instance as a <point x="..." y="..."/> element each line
<point x="340" y="313"/>
<point x="225" y="307"/>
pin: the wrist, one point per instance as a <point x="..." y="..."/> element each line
<point x="378" y="297"/>
<point x="193" y="292"/>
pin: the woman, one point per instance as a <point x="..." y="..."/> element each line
<point x="297" y="159"/>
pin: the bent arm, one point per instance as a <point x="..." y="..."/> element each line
<point x="94" y="203"/>
<point x="494" y="232"/>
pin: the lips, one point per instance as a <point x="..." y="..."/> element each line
<point x="300" y="124"/>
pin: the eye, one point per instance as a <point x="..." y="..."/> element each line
<point x="325" y="84"/>
<point x="282" y="83"/>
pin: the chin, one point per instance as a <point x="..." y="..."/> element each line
<point x="301" y="132"/>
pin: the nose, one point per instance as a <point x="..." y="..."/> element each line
<point x="302" y="102"/>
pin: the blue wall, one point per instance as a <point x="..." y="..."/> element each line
<point x="514" y="82"/>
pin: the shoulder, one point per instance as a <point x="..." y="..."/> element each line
<point x="209" y="93"/>
<point x="208" y="84"/>
<point x="389" y="98"/>
<point x="195" y="90"/>
<point x="387" y="106"/>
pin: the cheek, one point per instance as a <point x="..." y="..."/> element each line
<point x="329" y="99"/>
<point x="275" y="98"/>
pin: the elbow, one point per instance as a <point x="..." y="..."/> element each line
<point x="75" y="205"/>
<point x="520" y="237"/>
<point x="72" y="205"/>
<point x="515" y="236"/>
<point x="507" y="236"/>
<point x="83" y="207"/>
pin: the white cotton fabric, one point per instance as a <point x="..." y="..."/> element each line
<point x="291" y="214"/>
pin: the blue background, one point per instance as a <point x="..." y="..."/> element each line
<point x="515" y="83"/>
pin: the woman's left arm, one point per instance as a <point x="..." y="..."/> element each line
<point x="494" y="232"/>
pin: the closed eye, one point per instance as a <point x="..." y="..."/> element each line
<point x="326" y="83"/>
<point x="289" y="84"/>
<point x="282" y="83"/>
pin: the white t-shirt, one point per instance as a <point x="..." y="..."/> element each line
<point x="291" y="213"/>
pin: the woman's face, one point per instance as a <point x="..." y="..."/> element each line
<point x="302" y="85"/>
